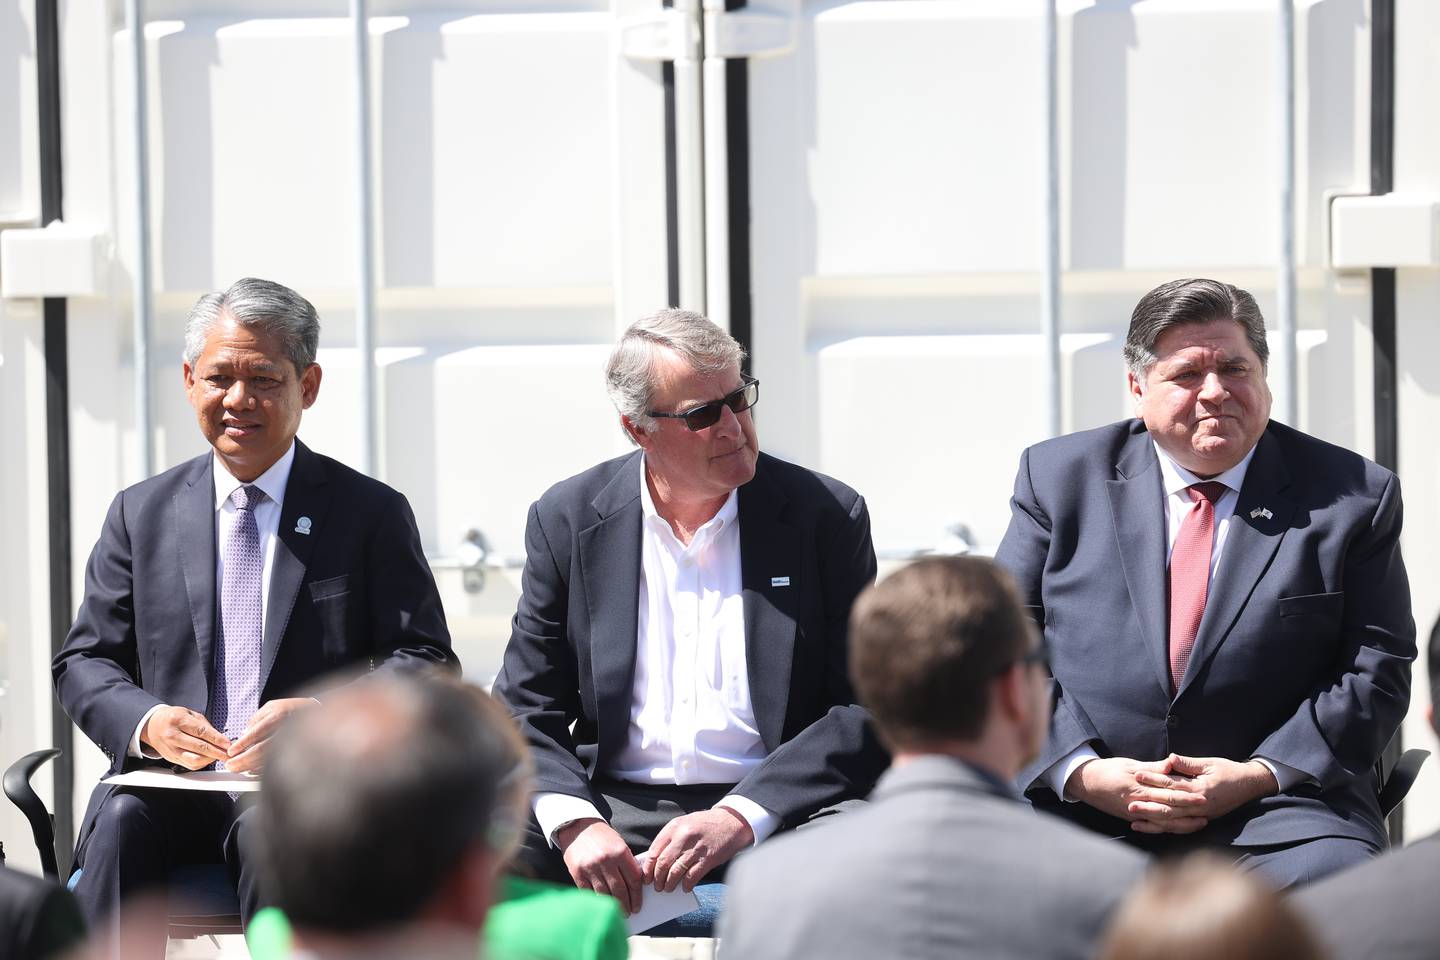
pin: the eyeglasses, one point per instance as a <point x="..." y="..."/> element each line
<point x="708" y="414"/>
<point x="1038" y="655"/>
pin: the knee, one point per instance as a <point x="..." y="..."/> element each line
<point x="125" y="815"/>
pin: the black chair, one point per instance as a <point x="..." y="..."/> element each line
<point x="203" y="892"/>
<point x="1396" y="782"/>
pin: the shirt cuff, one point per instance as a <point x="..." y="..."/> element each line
<point x="138" y="749"/>
<point x="762" y="822"/>
<point x="1058" y="775"/>
<point x="1286" y="776"/>
<point x="555" y="810"/>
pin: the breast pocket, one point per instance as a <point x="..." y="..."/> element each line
<point x="331" y="600"/>
<point x="1310" y="625"/>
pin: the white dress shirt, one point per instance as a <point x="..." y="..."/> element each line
<point x="267" y="519"/>
<point x="691" y="717"/>
<point x="1178" y="504"/>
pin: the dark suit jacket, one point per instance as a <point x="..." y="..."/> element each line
<point x="1383" y="910"/>
<point x="942" y="863"/>
<point x="355" y="590"/>
<point x="39" y="919"/>
<point x="571" y="656"/>
<point x="1303" y="655"/>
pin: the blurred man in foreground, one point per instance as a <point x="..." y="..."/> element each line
<point x="947" y="860"/>
<point x="386" y="816"/>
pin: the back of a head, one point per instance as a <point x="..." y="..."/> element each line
<point x="372" y="798"/>
<point x="925" y="644"/>
<point x="1203" y="908"/>
<point x="1434" y="657"/>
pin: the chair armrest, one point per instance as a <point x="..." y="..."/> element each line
<point x="1401" y="779"/>
<point x="18" y="789"/>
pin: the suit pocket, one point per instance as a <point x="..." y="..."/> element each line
<point x="333" y="587"/>
<point x="331" y="600"/>
<point x="1318" y="607"/>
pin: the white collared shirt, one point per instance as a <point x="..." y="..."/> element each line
<point x="267" y="519"/>
<point x="692" y="720"/>
<point x="1175" y="480"/>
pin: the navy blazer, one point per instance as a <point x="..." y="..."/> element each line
<point x="356" y="590"/>
<point x="1302" y="657"/>
<point x="571" y="656"/>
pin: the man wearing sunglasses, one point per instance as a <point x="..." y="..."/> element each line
<point x="678" y="658"/>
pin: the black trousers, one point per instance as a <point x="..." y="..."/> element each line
<point x="137" y="837"/>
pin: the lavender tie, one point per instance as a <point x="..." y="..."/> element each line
<point x="242" y="620"/>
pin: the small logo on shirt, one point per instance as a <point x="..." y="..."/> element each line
<point x="303" y="526"/>
<point x="1261" y="512"/>
<point x="779" y="581"/>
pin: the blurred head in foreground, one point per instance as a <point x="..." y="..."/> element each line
<point x="1203" y="908"/>
<point x="390" y="809"/>
<point x="945" y="659"/>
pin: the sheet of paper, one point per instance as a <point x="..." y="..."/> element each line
<point x="657" y="908"/>
<point x="219" y="780"/>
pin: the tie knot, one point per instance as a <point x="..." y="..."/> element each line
<point x="1211" y="490"/>
<point x="247" y="497"/>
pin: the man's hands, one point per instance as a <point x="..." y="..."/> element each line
<point x="598" y="859"/>
<point x="247" y="753"/>
<point x="1174" y="795"/>
<point x="691" y="846"/>
<point x="1221" y="785"/>
<point x="685" y="850"/>
<point x="185" y="738"/>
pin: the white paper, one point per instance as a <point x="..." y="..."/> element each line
<point x="222" y="781"/>
<point x="657" y="908"/>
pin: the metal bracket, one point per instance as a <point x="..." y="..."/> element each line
<point x="746" y="33"/>
<point x="667" y="35"/>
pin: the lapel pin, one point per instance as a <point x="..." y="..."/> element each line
<point x="303" y="525"/>
<point x="779" y="581"/>
<point x="1261" y="512"/>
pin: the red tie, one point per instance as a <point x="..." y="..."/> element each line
<point x="1190" y="575"/>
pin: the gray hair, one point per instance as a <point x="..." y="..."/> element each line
<point x="630" y="376"/>
<point x="1182" y="302"/>
<point x="264" y="305"/>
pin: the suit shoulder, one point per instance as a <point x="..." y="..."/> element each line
<point x="806" y="485"/>
<point x="585" y="485"/>
<point x="1311" y="458"/>
<point x="1100" y="445"/>
<point x="357" y="484"/>
<point x="160" y="488"/>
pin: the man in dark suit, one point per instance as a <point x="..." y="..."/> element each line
<point x="1384" y="910"/>
<point x="1226" y="602"/>
<point x="946" y="861"/>
<point x="684" y="608"/>
<point x="219" y="589"/>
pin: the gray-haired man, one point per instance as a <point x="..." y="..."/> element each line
<point x="678" y="658"/>
<point x="220" y="587"/>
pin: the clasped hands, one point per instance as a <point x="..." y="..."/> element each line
<point x="687" y="849"/>
<point x="186" y="739"/>
<point x="1174" y="795"/>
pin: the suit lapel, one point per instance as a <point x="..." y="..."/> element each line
<point x="771" y="583"/>
<point x="194" y="514"/>
<point x="610" y="571"/>
<point x="1137" y="506"/>
<point x="304" y="497"/>
<point x="1250" y="545"/>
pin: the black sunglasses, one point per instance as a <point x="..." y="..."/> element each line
<point x="1038" y="654"/>
<point x="708" y="414"/>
